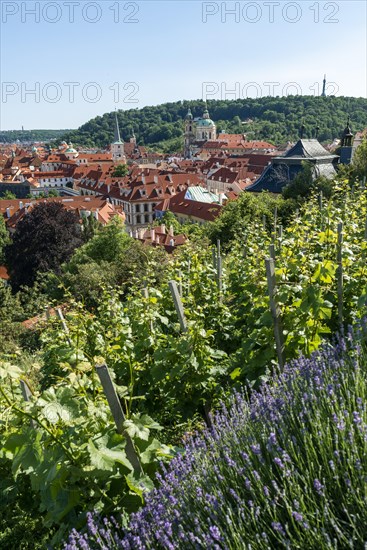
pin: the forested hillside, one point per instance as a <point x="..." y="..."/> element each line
<point x="276" y="119"/>
<point x="10" y="136"/>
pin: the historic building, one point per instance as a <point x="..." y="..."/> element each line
<point x="117" y="147"/>
<point x="283" y="169"/>
<point x="198" y="132"/>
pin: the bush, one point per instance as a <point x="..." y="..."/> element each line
<point x="287" y="470"/>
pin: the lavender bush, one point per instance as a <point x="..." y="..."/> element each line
<point x="287" y="470"/>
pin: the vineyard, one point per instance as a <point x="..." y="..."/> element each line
<point x="122" y="383"/>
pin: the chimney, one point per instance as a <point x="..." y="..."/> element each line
<point x="143" y="180"/>
<point x="96" y="213"/>
<point x="170" y="233"/>
<point x="152" y="235"/>
<point x="20" y="205"/>
<point x="163" y="228"/>
<point x="155" y="179"/>
<point x="108" y="188"/>
<point x="172" y="242"/>
<point x="8" y="212"/>
<point x="130" y="233"/>
<point x="141" y="233"/>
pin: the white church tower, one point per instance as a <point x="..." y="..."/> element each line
<point x="117" y="147"/>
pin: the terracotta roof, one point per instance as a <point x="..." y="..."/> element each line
<point x="178" y="204"/>
<point x="4" y="273"/>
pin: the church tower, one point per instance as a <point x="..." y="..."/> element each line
<point x="205" y="128"/>
<point x="117" y="147"/>
<point x="189" y="134"/>
<point x="346" y="149"/>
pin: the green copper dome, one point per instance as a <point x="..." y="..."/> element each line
<point x="204" y="123"/>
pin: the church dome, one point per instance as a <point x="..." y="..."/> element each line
<point x="70" y="149"/>
<point x="205" y="123"/>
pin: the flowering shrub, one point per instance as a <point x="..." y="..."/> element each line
<point x="286" y="470"/>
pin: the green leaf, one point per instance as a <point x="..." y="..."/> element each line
<point x="106" y="459"/>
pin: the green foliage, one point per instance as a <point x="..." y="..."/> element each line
<point x="274" y="119"/>
<point x="4" y="239"/>
<point x="44" y="239"/>
<point x="120" y="171"/>
<point x="304" y="184"/>
<point x="124" y="316"/>
<point x="64" y="441"/>
<point x="8" y="195"/>
<point x="110" y="259"/>
<point x="10" y="136"/>
<point x="236" y="215"/>
<point x="359" y="164"/>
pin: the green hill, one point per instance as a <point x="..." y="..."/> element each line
<point x="276" y="119"/>
<point x="10" y="136"/>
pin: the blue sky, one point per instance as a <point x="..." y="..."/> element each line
<point x="130" y="54"/>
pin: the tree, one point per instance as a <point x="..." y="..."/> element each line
<point x="43" y="240"/>
<point x="120" y="171"/>
<point x="110" y="259"/>
<point x="9" y="196"/>
<point x="4" y="239"/>
<point x="360" y="160"/>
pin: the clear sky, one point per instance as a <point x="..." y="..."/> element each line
<point x="83" y="58"/>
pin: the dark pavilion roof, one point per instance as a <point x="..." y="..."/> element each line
<point x="308" y="149"/>
<point x="284" y="169"/>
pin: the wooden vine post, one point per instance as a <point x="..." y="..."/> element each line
<point x="272" y="251"/>
<point x="219" y="268"/>
<point x="274" y="236"/>
<point x="64" y="325"/>
<point x="26" y="393"/>
<point x="275" y="311"/>
<point x="340" y="273"/>
<point x="178" y="305"/>
<point x="146" y="296"/>
<point x="118" y="416"/>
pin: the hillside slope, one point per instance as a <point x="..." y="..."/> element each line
<point x="275" y="119"/>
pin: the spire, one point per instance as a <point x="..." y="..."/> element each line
<point x="324" y="87"/>
<point x="117" y="129"/>
<point x="302" y="131"/>
<point x="189" y="114"/>
<point x="347" y="135"/>
<point x="317" y="129"/>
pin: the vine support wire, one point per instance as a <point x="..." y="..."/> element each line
<point x="340" y="273"/>
<point x="178" y="305"/>
<point x="275" y="310"/>
<point x="118" y="416"/>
